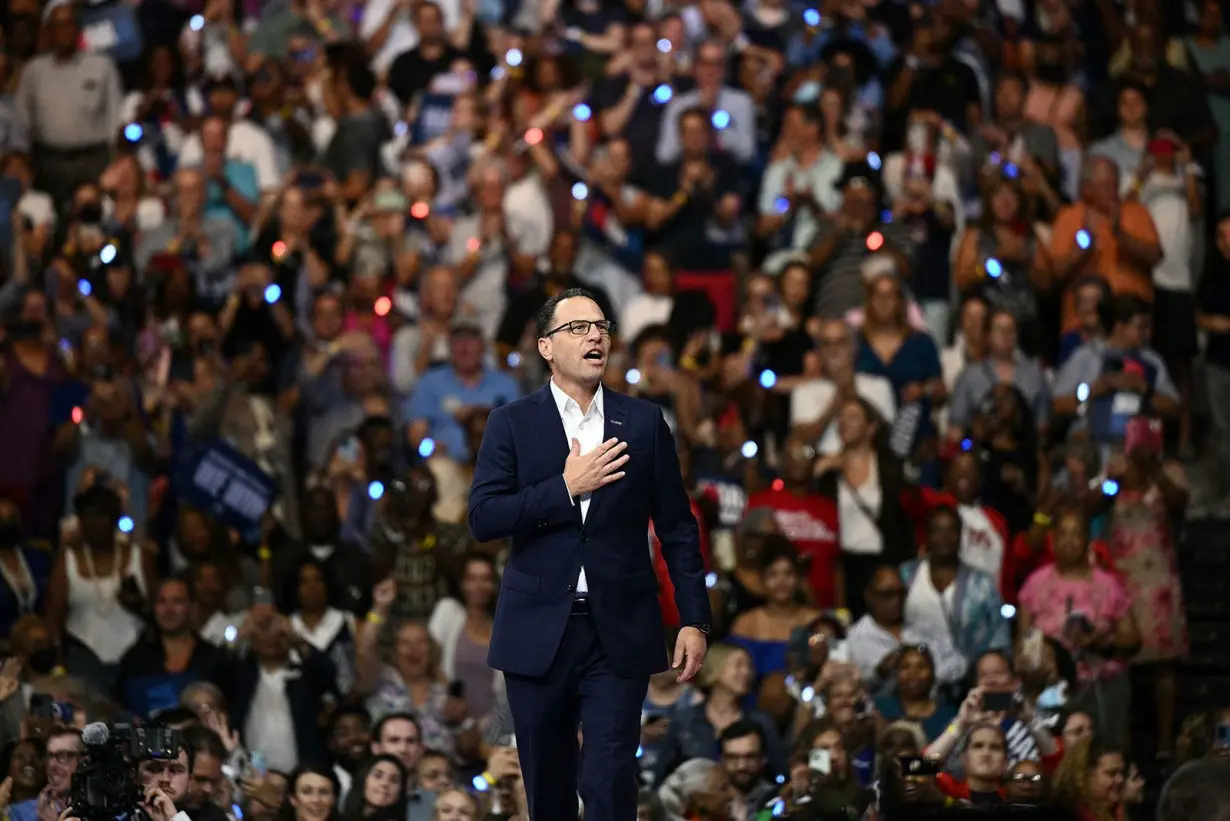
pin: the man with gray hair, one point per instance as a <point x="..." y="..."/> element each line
<point x="1198" y="790"/>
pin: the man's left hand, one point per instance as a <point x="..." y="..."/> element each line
<point x="690" y="649"/>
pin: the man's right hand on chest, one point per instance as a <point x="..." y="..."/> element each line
<point x="599" y="467"/>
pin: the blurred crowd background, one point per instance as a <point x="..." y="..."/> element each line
<point x="935" y="297"/>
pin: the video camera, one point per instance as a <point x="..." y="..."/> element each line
<point x="105" y="786"/>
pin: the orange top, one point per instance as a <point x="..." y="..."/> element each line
<point x="1123" y="275"/>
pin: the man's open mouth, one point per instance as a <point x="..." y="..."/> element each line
<point x="595" y="356"/>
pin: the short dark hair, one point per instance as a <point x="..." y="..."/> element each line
<point x="200" y="740"/>
<point x="1198" y="789"/>
<point x="544" y="323"/>
<point x="741" y="729"/>
<point x="776" y="548"/>
<point x="378" y="730"/>
<point x="1121" y="309"/>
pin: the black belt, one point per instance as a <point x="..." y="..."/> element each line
<point x="580" y="606"/>
<point x="42" y="149"/>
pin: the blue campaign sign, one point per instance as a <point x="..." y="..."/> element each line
<point x="221" y="481"/>
<point x="112" y="29"/>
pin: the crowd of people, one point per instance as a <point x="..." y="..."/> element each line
<point x="927" y="293"/>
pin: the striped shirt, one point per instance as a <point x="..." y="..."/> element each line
<point x="841" y="280"/>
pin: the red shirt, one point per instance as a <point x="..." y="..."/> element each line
<point x="666" y="588"/>
<point x="810" y="522"/>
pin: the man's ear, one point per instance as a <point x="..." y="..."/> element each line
<point x="544" y="349"/>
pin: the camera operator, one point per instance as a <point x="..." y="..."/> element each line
<point x="166" y="786"/>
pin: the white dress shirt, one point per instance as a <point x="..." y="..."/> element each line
<point x="587" y="429"/>
<point x="270" y="727"/>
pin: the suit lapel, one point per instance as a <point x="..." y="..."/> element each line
<point x="548" y="436"/>
<point x="614" y="426"/>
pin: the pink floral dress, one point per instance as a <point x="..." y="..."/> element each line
<point x="1049" y="597"/>
<point x="1142" y="554"/>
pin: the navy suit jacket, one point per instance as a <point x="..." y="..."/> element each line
<point x="519" y="493"/>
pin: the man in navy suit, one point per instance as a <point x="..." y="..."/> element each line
<point x="572" y="474"/>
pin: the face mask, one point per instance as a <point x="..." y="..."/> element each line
<point x="1054" y="73"/>
<point x="25" y="330"/>
<point x="10" y="533"/>
<point x="807" y="92"/>
<point x="43" y="661"/>
<point x="1054" y="696"/>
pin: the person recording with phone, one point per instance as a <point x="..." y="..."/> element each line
<point x="167" y="787"/>
<point x="979" y="737"/>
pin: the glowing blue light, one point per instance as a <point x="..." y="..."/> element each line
<point x="375" y="490"/>
<point x="781" y="205"/>
<point x="886" y="216"/>
<point x="811" y="17"/>
<point x="513" y="57"/>
<point x="197" y="22"/>
<point x="1007" y="611"/>
<point x="480" y="783"/>
<point x="662" y="94"/>
<point x="514" y="360"/>
<point x="1082" y="392"/>
<point x="749" y="449"/>
<point x="133" y="132"/>
<point x="767" y="379"/>
<point x="427" y="447"/>
<point x="580" y="190"/>
<point x="640" y="751"/>
<point x="1011" y="171"/>
<point x="781" y="779"/>
<point x="808" y="694"/>
<point x="84" y="287"/>
<point x="664" y="46"/>
<point x="633" y="376"/>
<point x="497" y="73"/>
<point x="1083" y="240"/>
<point x="400" y="129"/>
<point x="1110" y="487"/>
<point x="720" y="119"/>
<point x="273" y="293"/>
<point x="107" y="254"/>
<point x="230" y="633"/>
<point x="873" y="160"/>
<point x="125" y="524"/>
<point x="967" y="444"/>
<point x="996" y="158"/>
<point x="779" y="807"/>
<point x="582" y="112"/>
<point x="995" y="268"/>
<point x="238" y="813"/>
<point x="711" y="579"/>
<point x="65" y="345"/>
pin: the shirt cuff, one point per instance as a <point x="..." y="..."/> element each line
<point x="181" y="816"/>
<point x="571" y="500"/>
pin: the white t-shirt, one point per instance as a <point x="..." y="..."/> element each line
<point x="1165" y="197"/>
<point x="857" y="512"/>
<point x="642" y="311"/>
<point x="809" y="401"/>
<point x="246" y="142"/>
<point x="925" y="609"/>
<point x="270" y="727"/>
<point x="982" y="546"/>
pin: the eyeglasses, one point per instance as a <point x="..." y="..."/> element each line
<point x="1027" y="778"/>
<point x="64" y="756"/>
<point x="580" y="327"/>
